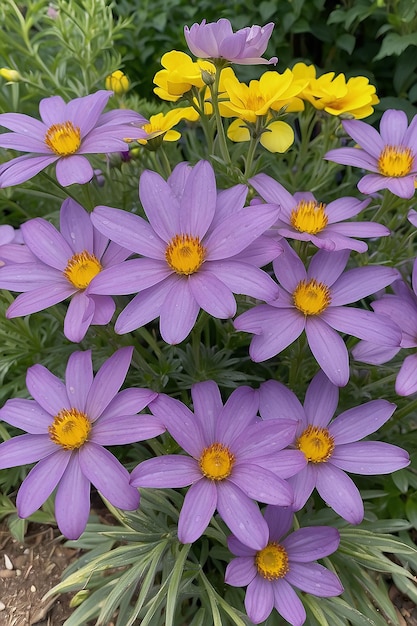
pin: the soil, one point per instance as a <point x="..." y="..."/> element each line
<point x="30" y="569"/>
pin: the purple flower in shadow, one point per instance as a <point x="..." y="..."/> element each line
<point x="235" y="459"/>
<point x="68" y="424"/>
<point x="332" y="446"/>
<point x="284" y="561"/>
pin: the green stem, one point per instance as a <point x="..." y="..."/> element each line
<point x="221" y="136"/>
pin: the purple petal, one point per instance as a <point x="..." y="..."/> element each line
<point x="25" y="449"/>
<point x="199" y="505"/>
<point x="160" y="204"/>
<point x="79" y="316"/>
<point x="360" y="282"/>
<point x="280" y="520"/>
<point x="240" y="572"/>
<point x="73" y="169"/>
<point x="144" y="308"/>
<point x="245" y="279"/>
<point x="312" y="543"/>
<point x="288" y="604"/>
<point x="48" y="390"/>
<point x="25" y="143"/>
<point x="355" y="157"/>
<point x="345" y="208"/>
<point x="238" y="548"/>
<point x="321" y="400"/>
<point x="361" y="421"/>
<point x="75" y="226"/>
<point x="53" y="110"/>
<point x="23" y="168"/>
<point x="108" y="381"/>
<point x="237" y="414"/>
<point x="178" y="313"/>
<point x="170" y="470"/>
<point x="327" y="266"/>
<point x="198" y="202"/>
<point x="104" y="308"/>
<point x="128" y="402"/>
<point x="406" y="382"/>
<point x="260" y="484"/>
<point x="259" y="599"/>
<point x="303" y="485"/>
<point x="30" y="275"/>
<point x="85" y="111"/>
<point x="129" y="231"/>
<point x="285" y="463"/>
<point x="369" y="457"/>
<point x="375" y="355"/>
<point x="23" y="124"/>
<point x="286" y="325"/>
<point x="315" y="579"/>
<point x="363" y="324"/>
<point x="72" y="501"/>
<point x="113" y="431"/>
<point x="260" y="252"/>
<point x="39" y="299"/>
<point x="47" y="243"/>
<point x="207" y="404"/>
<point x="365" y="135"/>
<point x="393" y="127"/>
<point x="229" y="201"/>
<point x="288" y="268"/>
<point x="181" y="424"/>
<point x="273" y="192"/>
<point x="129" y="277"/>
<point x="242" y="515"/>
<point x="212" y="295"/>
<point x="108" y="475"/>
<point x="329" y="350"/>
<point x="238" y="230"/>
<point x="276" y="401"/>
<point x="40" y="482"/>
<point x="339" y="492"/>
<point x="26" y="415"/>
<point x="262" y="439"/>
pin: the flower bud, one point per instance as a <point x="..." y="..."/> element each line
<point x="118" y="82"/>
<point x="10" y="75"/>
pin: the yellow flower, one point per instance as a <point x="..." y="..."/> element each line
<point x="118" y="82"/>
<point x="160" y="126"/>
<point x="333" y="94"/>
<point x="278" y="136"/>
<point x="272" y="91"/>
<point x="10" y="75"/>
<point x="179" y="75"/>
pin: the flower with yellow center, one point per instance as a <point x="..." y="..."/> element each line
<point x="70" y="429"/>
<point x="216" y="461"/>
<point x="311" y="297"/>
<point x="63" y="139"/>
<point x="180" y="75"/>
<point x="81" y="269"/>
<point x="396" y="161"/>
<point x="159" y="128"/>
<point x="272" y="561"/>
<point x="316" y="443"/>
<point x="309" y="217"/>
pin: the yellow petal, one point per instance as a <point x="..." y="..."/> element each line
<point x="278" y="137"/>
<point x="238" y="131"/>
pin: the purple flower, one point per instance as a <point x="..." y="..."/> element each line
<point x="217" y="40"/>
<point x="333" y="447"/>
<point x="390" y="154"/>
<point x="282" y="563"/>
<point x="314" y="301"/>
<point x="305" y="219"/>
<point x="198" y="249"/>
<point x="234" y="460"/>
<point x="58" y="265"/>
<point x="67" y="132"/>
<point x="67" y="426"/>
<point x="401" y="307"/>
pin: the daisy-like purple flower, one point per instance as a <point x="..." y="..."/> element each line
<point x="390" y="154"/>
<point x="68" y="424"/>
<point x="302" y="217"/>
<point x="332" y="447"/>
<point x="401" y="306"/>
<point x="198" y="249"/>
<point x="12" y="248"/>
<point x="59" y="265"/>
<point x="64" y="134"/>
<point x="217" y="40"/>
<point x="314" y="301"/>
<point x="234" y="460"/>
<point x="284" y="561"/>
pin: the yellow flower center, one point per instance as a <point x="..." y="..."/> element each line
<point x="395" y="161"/>
<point x="272" y="561"/>
<point x="185" y="254"/>
<point x="70" y="429"/>
<point x="311" y="297"/>
<point x="216" y="461"/>
<point x="63" y="139"/>
<point x="81" y="269"/>
<point x="316" y="443"/>
<point x="309" y="217"/>
<point x="255" y="102"/>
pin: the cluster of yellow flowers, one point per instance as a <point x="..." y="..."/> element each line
<point x="258" y="106"/>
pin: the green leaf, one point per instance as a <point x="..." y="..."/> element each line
<point x="394" y="44"/>
<point x="346" y="42"/>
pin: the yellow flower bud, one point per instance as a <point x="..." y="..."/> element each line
<point x="118" y="82"/>
<point x="11" y="75"/>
